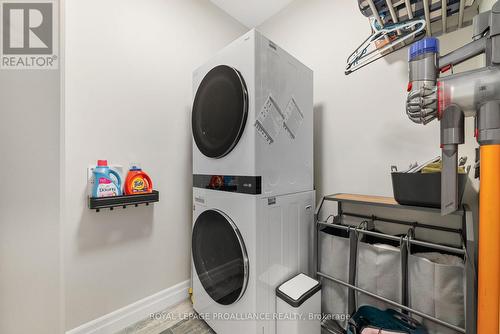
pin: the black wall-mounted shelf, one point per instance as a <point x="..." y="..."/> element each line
<point x="122" y="201"/>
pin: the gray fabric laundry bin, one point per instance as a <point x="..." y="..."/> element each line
<point x="334" y="261"/>
<point x="437" y="288"/>
<point x="379" y="271"/>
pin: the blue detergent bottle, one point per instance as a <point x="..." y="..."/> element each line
<point x="107" y="182"/>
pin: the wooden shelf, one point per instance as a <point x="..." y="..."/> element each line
<point x="380" y="201"/>
<point x="365" y="199"/>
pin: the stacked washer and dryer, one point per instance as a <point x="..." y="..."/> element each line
<point x="252" y="124"/>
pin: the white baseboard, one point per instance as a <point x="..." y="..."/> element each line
<point x="130" y="314"/>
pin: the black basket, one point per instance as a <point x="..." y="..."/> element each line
<point x="422" y="189"/>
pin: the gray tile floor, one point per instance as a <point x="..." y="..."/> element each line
<point x="178" y="320"/>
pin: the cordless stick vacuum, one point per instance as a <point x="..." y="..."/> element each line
<point x="450" y="99"/>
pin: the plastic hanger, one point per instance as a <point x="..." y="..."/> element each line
<point x="389" y="37"/>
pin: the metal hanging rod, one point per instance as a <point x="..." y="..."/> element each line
<point x="461" y="13"/>
<point x="449" y="249"/>
<point x="393" y="303"/>
<point x="375" y="12"/>
<point x="402" y="222"/>
<point x="444" y="14"/>
<point x="427" y="15"/>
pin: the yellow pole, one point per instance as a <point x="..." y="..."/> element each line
<point x="489" y="241"/>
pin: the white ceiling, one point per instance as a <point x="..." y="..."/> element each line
<point x="251" y="13"/>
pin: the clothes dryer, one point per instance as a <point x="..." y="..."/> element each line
<point x="252" y="120"/>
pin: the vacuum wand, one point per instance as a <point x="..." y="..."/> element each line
<point x="452" y="135"/>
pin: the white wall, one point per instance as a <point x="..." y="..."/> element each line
<point x="361" y="128"/>
<point x="128" y="97"/>
<point x="29" y="202"/>
<point x="486" y="5"/>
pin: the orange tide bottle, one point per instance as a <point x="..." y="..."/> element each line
<point x="137" y="181"/>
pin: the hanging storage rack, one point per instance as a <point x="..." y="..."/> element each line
<point x="468" y="250"/>
<point x="442" y="16"/>
<point x="398" y="23"/>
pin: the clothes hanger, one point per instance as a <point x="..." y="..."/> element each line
<point x="383" y="39"/>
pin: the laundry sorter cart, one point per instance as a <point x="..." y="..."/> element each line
<point x="382" y="218"/>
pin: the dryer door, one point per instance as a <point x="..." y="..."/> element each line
<point x="219" y="111"/>
<point x="220" y="257"/>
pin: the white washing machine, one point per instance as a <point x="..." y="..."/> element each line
<point x="243" y="247"/>
<point x="252" y="120"/>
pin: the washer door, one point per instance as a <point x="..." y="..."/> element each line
<point x="219" y="111"/>
<point x="220" y="257"/>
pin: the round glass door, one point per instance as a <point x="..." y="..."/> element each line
<point x="220" y="111"/>
<point x="220" y="257"/>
